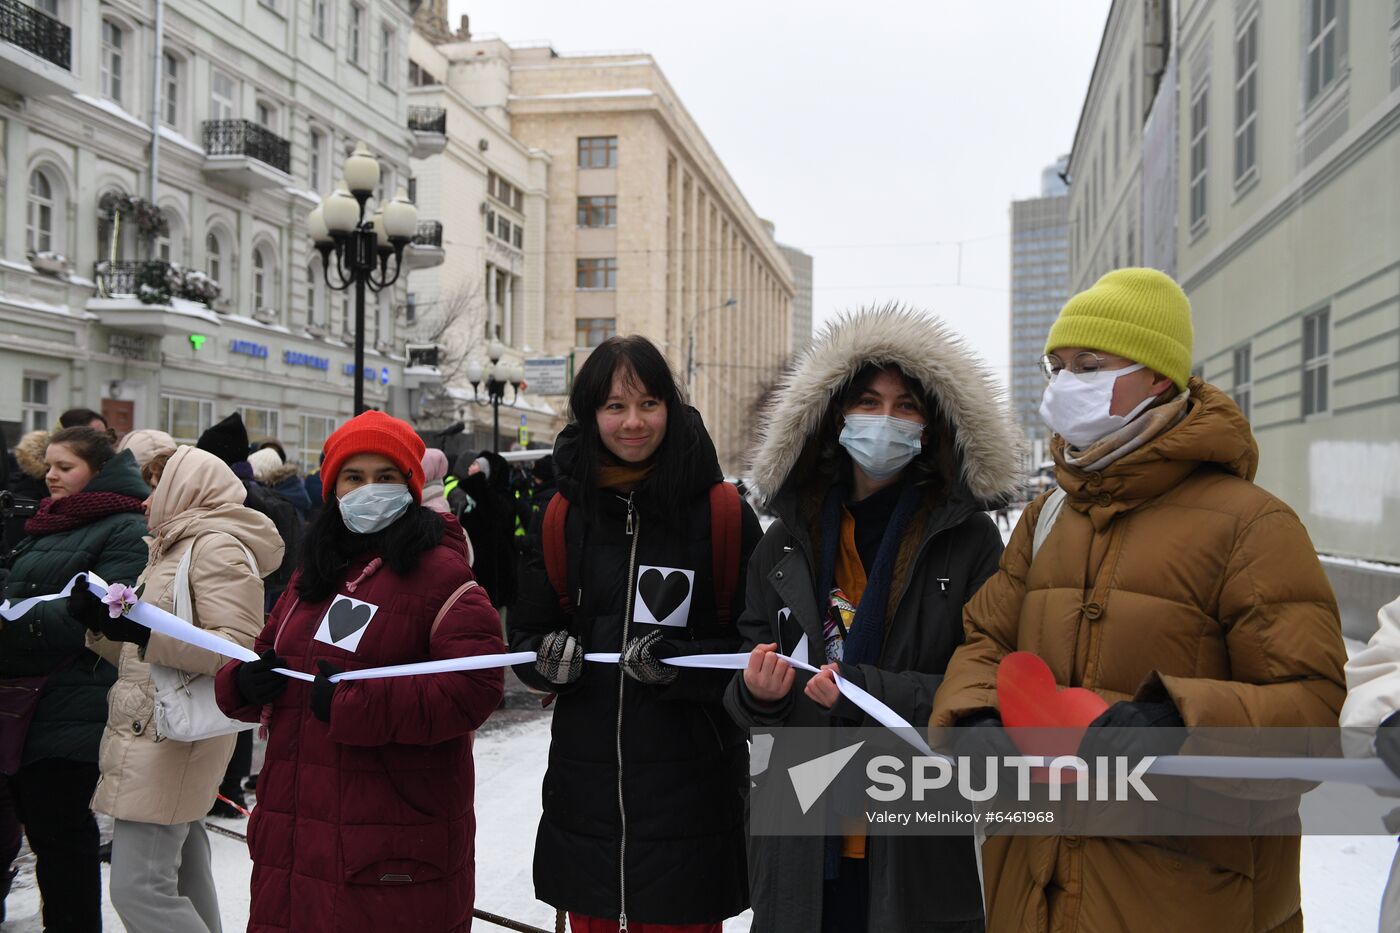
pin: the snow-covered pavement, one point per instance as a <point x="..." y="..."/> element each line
<point x="1342" y="875"/>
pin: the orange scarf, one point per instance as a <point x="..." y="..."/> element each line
<point x="623" y="476"/>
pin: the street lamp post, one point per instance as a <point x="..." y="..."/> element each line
<point x="362" y="247"/>
<point x="690" y="346"/>
<point x="497" y="376"/>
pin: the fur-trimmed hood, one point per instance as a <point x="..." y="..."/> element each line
<point x="990" y="445"/>
<point x="29" y="454"/>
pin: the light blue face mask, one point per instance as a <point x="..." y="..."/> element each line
<point x="881" y="445"/>
<point x="374" y="507"/>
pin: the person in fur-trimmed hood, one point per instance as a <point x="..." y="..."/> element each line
<point x="880" y="454"/>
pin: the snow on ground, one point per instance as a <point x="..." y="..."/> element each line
<point x="1343" y="876"/>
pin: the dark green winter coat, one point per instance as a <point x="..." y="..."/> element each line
<point x="73" y="707"/>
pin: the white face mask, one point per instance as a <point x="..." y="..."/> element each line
<point x="880" y="444"/>
<point x="374" y="506"/>
<point x="1077" y="408"/>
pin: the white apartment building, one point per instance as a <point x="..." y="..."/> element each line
<point x="257" y="104"/>
<point x="492" y="192"/>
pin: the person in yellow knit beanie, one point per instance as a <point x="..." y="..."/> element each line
<point x="1160" y="577"/>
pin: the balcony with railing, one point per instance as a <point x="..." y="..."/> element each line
<point x="429" y="126"/>
<point x="153" y="297"/>
<point x="426" y="249"/>
<point x="35" y="51"/>
<point x="246" y="154"/>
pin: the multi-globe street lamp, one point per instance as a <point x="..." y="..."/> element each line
<point x="362" y="246"/>
<point x="496" y="376"/>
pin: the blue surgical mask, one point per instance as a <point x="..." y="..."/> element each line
<point x="880" y="444"/>
<point x="374" y="507"/>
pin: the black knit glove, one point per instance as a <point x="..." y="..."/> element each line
<point x="257" y="681"/>
<point x="559" y="658"/>
<point x="1388" y="742"/>
<point x="644" y="660"/>
<point x="981" y="736"/>
<point x="323" y="690"/>
<point x="123" y="629"/>
<point x="86" y="608"/>
<point x="1134" y="731"/>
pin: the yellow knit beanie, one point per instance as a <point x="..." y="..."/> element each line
<point x="1138" y="314"/>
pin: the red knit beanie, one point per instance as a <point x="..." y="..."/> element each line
<point x="375" y="433"/>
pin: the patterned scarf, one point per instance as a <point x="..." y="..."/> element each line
<point x="77" y="510"/>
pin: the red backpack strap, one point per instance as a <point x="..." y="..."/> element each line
<point x="726" y="531"/>
<point x="555" y="546"/>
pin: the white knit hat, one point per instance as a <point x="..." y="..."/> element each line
<point x="264" y="462"/>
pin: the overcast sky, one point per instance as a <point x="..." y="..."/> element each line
<point x="877" y="136"/>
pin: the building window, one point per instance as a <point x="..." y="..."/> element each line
<point x="262" y="423"/>
<point x="597" y="152"/>
<point x="185" y="419"/>
<point x="313" y="293"/>
<point x="597" y="211"/>
<point x="259" y="280"/>
<point x="321" y="19"/>
<point x="356" y="35"/>
<point x="223" y="97"/>
<point x="504" y="191"/>
<point x="34" y="404"/>
<point x="1117" y="133"/>
<point x="1244" y="388"/>
<point x="214" y="257"/>
<point x="39" y="228"/>
<point x="48" y="7"/>
<point x="1198" y="155"/>
<point x="413" y="189"/>
<point x="410" y="309"/>
<point x="386" y="54"/>
<point x="113" y="55"/>
<point x="503" y="229"/>
<point x="1132" y="89"/>
<point x="597" y="274"/>
<point x="1316" y="357"/>
<point x="517" y="237"/>
<point x="1246" y="102"/>
<point x="313" y="159"/>
<point x="314" y="431"/>
<point x="171" y="91"/>
<point x="591" y="331"/>
<point x="266" y="116"/>
<point x="1322" y="46"/>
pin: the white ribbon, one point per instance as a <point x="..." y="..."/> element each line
<point x="1369" y="772"/>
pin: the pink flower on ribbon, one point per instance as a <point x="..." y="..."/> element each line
<point x="119" y="599"/>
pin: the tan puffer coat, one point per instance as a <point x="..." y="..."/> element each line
<point x="1168" y="574"/>
<point x="146" y="777"/>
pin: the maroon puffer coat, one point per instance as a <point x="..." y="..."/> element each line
<point x="367" y="823"/>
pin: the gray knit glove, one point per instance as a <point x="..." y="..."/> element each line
<point x="644" y="660"/>
<point x="559" y="658"/>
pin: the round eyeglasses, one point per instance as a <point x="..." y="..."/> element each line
<point x="1085" y="365"/>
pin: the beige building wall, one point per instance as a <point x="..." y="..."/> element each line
<point x="1303" y="240"/>
<point x="685" y="240"/>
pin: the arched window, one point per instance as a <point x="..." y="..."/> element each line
<point x="40" y="227"/>
<point x="171" y="247"/>
<point x="214" y="257"/>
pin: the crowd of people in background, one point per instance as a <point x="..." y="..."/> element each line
<point x="1156" y="574"/>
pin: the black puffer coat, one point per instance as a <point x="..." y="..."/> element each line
<point x="684" y="763"/>
<point x="917" y="883"/>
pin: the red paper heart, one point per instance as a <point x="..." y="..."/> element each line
<point x="1042" y="718"/>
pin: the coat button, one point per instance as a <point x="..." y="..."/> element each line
<point x="1092" y="611"/>
<point x="1103" y="499"/>
<point x="778" y="575"/>
<point x="136" y="727"/>
<point x="1095" y="480"/>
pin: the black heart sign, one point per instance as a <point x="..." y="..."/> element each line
<point x="663" y="593"/>
<point x="347" y="619"/>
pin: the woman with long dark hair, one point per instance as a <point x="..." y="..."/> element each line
<point x="643" y="822"/>
<point x="91" y="521"/>
<point x="364" y="818"/>
<point x="880" y="454"/>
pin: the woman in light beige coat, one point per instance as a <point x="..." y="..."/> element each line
<point x="159" y="789"/>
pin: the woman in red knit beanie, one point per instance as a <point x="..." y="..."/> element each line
<point x="364" y="818"/>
